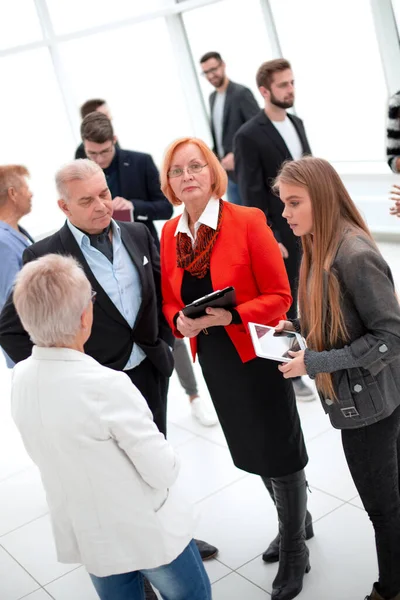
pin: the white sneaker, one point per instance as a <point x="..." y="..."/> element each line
<point x="304" y="393"/>
<point x="202" y="413"/>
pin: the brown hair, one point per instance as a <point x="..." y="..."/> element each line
<point x="333" y="211"/>
<point x="91" y="106"/>
<point x="96" y="127"/>
<point x="10" y="176"/>
<point x="265" y="73"/>
<point x="209" y="56"/>
<point x="220" y="177"/>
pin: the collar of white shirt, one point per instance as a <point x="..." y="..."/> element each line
<point x="83" y="239"/>
<point x="209" y="217"/>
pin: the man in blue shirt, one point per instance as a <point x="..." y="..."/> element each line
<point x="15" y="202"/>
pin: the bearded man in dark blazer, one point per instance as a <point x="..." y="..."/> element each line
<point x="261" y="146"/>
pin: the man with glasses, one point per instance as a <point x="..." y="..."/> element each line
<point x="132" y="177"/>
<point x="231" y="105"/>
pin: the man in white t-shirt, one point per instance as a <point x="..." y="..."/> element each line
<point x="261" y="146"/>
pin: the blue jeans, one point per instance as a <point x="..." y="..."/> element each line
<point x="183" y="578"/>
<point x="233" y="192"/>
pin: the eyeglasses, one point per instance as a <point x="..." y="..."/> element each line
<point x="93" y="296"/>
<point x="102" y="153"/>
<point x="210" y="71"/>
<point x="191" y="169"/>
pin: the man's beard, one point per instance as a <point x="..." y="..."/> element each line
<point x="281" y="104"/>
<point x="219" y="82"/>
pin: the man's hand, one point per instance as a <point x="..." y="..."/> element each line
<point x="120" y="203"/>
<point x="283" y="250"/>
<point x="228" y="162"/>
<point x="395" y="197"/>
<point x="294" y="368"/>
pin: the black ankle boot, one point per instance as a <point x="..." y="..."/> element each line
<point x="271" y="554"/>
<point x="290" y="494"/>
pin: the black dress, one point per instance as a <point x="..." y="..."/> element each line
<point x="256" y="406"/>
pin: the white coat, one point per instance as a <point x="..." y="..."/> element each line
<point x="107" y="470"/>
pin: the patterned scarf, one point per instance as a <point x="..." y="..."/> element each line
<point x="196" y="259"/>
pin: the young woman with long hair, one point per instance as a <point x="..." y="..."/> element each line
<point x="350" y="317"/>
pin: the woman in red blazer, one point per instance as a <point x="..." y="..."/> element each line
<point x="213" y="245"/>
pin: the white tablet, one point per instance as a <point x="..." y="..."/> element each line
<point x="272" y="345"/>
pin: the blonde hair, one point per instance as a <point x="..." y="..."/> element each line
<point x="82" y="169"/>
<point x="11" y="176"/>
<point x="50" y="296"/>
<point x="333" y="212"/>
<point x="219" y="176"/>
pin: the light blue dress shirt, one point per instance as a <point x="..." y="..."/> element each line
<point x="119" y="279"/>
<point x="12" y="246"/>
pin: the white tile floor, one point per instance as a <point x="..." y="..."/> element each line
<point x="236" y="512"/>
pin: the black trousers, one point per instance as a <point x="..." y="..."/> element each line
<point x="373" y="456"/>
<point x="154" y="388"/>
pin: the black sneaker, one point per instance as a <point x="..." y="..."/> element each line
<point x="206" y="550"/>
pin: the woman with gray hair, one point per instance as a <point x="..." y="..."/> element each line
<point x="107" y="470"/>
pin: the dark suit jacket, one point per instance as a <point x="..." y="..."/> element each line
<point x="140" y="182"/>
<point x="259" y="153"/>
<point x="240" y="106"/>
<point x="112" y="338"/>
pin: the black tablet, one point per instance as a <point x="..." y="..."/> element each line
<point x="225" y="298"/>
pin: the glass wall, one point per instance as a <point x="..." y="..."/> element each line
<point x="340" y="88"/>
<point x="239" y="34"/>
<point x="134" y="69"/>
<point x="34" y="130"/>
<point x="133" y="54"/>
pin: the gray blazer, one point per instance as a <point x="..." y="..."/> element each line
<point x="240" y="106"/>
<point x="366" y="371"/>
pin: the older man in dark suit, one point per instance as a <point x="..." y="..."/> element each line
<point x="121" y="261"/>
<point x="231" y="105"/>
<point x="132" y="177"/>
<point x="261" y="147"/>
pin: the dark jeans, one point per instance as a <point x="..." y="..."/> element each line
<point x="154" y="388"/>
<point x="183" y="578"/>
<point x="233" y="192"/>
<point x="373" y="456"/>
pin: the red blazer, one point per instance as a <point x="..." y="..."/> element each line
<point x="245" y="255"/>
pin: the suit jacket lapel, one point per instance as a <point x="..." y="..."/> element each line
<point x="71" y="247"/>
<point x="137" y="259"/>
<point x="227" y="105"/>
<point x="274" y="135"/>
<point x="301" y="134"/>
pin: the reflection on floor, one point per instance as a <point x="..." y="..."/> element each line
<point x="236" y="512"/>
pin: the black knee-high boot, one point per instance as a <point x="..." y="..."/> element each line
<point x="271" y="554"/>
<point x="290" y="494"/>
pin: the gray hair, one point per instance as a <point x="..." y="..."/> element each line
<point x="50" y="296"/>
<point x="82" y="169"/>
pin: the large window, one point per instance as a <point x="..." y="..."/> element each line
<point x="234" y="28"/>
<point x="134" y="69"/>
<point x="75" y="15"/>
<point x="34" y="130"/>
<point x="19" y="24"/>
<point x="340" y="89"/>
